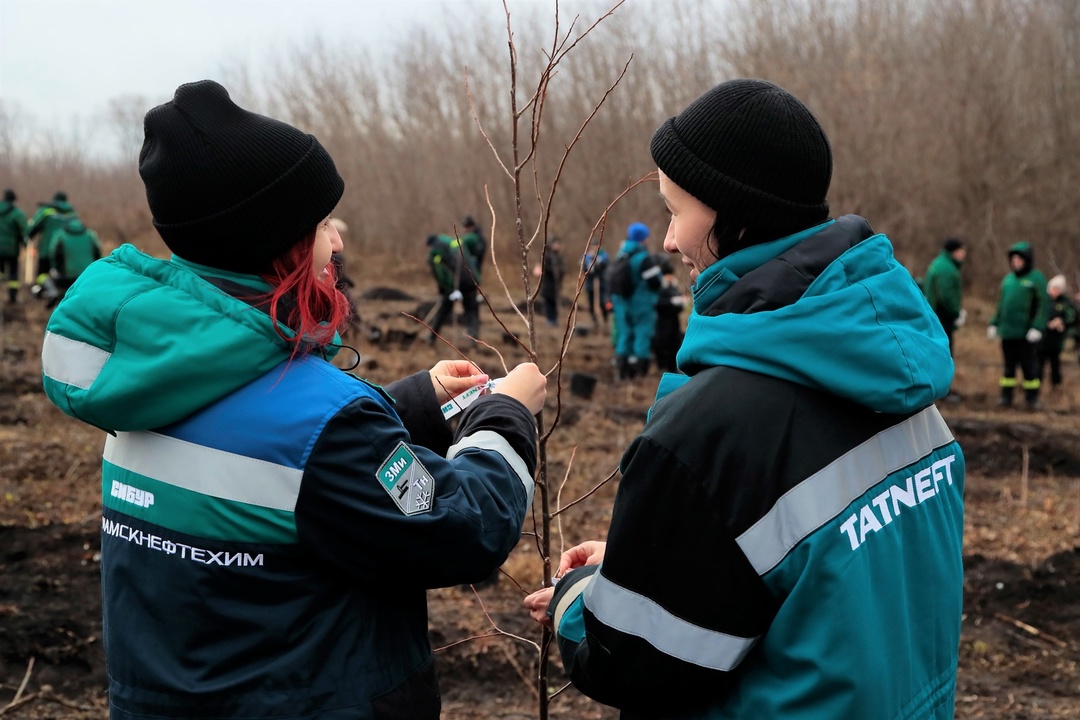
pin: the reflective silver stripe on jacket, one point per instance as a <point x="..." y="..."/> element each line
<point x="822" y="496"/>
<point x="489" y="440"/>
<point x="637" y="615"/>
<point x="70" y="361"/>
<point x="204" y="470"/>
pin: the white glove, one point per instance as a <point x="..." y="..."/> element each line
<point x="455" y="296"/>
<point x="1033" y="335"/>
<point x="991" y="332"/>
<point x="960" y="319"/>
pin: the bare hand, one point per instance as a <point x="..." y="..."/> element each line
<point x="526" y="384"/>
<point x="590" y="552"/>
<point x="537" y="605"/>
<point x="453" y="377"/>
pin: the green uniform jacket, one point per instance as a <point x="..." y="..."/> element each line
<point x="942" y="285"/>
<point x="47" y="221"/>
<point x="74" y="249"/>
<point x="12" y="229"/>
<point x="1022" y="304"/>
<point x="443" y="260"/>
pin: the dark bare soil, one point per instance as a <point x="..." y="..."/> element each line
<point x="1021" y="636"/>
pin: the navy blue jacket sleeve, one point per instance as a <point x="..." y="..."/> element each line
<point x="478" y="500"/>
<point x="420" y="413"/>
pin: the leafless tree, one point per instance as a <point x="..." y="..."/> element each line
<point x="125" y="114"/>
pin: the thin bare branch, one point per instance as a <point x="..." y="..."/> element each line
<point x="471" y="638"/>
<point x="552" y="695"/>
<point x="558" y="497"/>
<point x="585" y="34"/>
<point x="480" y="127"/>
<point x="495" y="625"/>
<point x="514" y="580"/>
<point x="15" y="701"/>
<point x="599" y="485"/>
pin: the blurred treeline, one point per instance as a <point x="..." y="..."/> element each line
<point x="948" y="117"/>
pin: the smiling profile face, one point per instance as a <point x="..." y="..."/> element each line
<point x="689" y="229"/>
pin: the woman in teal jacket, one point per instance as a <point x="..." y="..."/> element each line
<point x="635" y="281"/>
<point x="786" y="538"/>
<point x="270" y="523"/>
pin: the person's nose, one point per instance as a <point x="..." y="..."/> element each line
<point x="669" y="239"/>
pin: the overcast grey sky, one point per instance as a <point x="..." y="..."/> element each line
<point x="65" y="59"/>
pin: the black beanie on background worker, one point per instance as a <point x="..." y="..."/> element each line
<point x="229" y="188"/>
<point x="751" y="151"/>
<point x="952" y="244"/>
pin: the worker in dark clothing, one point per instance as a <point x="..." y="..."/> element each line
<point x="551" y="277"/>
<point x="12" y="240"/>
<point x="594" y="264"/>
<point x="670" y="302"/>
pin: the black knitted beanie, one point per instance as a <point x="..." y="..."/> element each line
<point x="229" y="188"/>
<point x="952" y="244"/>
<point x="751" y="151"/>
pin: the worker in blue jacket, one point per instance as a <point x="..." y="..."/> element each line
<point x="270" y="522"/>
<point x="786" y="540"/>
<point x="634" y="280"/>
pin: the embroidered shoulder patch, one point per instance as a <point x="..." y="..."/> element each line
<point x="407" y="481"/>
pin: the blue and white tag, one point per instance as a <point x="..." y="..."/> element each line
<point x="407" y="481"/>
<point x="456" y="404"/>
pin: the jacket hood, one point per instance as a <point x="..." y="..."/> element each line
<point x="829" y="308"/>
<point x="1025" y="251"/>
<point x="75" y="226"/>
<point x="139" y="343"/>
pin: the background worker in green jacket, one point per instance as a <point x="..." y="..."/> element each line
<point x="12" y="239"/>
<point x="942" y="286"/>
<point x="74" y="248"/>
<point x="46" y="222"/>
<point x="1019" y="321"/>
<point x="943" y="289"/>
<point x="455" y="267"/>
<point x="473" y="237"/>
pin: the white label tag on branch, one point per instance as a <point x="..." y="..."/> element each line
<point x="456" y="404"/>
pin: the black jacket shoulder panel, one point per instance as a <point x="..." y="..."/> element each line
<point x="727" y="425"/>
<point x="783" y="280"/>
